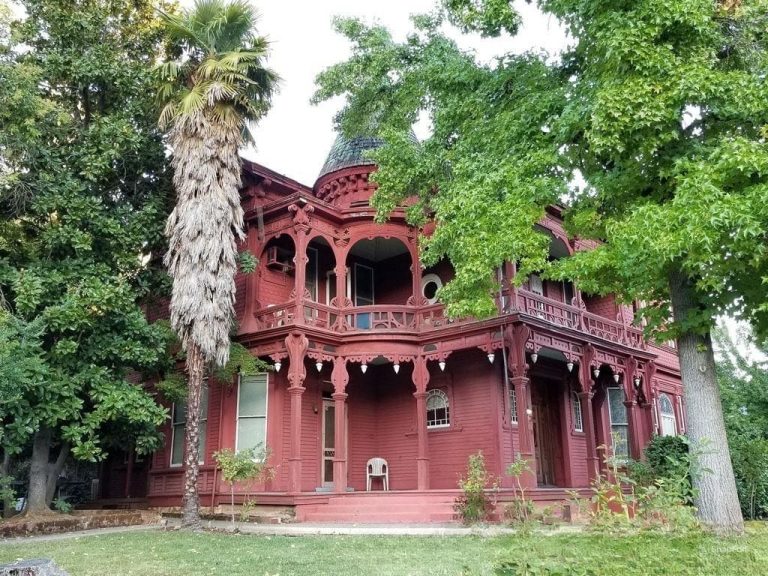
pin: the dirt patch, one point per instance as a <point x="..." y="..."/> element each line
<point x="78" y="520"/>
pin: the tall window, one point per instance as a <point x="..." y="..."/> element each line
<point x="438" y="413"/>
<point x="512" y="405"/>
<point x="179" y="428"/>
<point x="619" y="423"/>
<point x="668" y="420"/>
<point x="578" y="421"/>
<point x="252" y="412"/>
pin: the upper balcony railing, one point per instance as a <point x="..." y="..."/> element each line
<point x="415" y="319"/>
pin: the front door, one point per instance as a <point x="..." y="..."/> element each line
<point x="329" y="437"/>
<point x="545" y="433"/>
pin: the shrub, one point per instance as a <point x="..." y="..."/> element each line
<point x="750" y="466"/>
<point x="243" y="466"/>
<point x="521" y="508"/>
<point x="62" y="506"/>
<point x="474" y="505"/>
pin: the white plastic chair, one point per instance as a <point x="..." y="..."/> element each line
<point x="377" y="468"/>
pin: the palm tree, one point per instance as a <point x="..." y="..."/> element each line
<point x="210" y="93"/>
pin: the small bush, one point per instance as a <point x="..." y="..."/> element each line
<point x="62" y="506"/>
<point x="750" y="466"/>
<point x="474" y="505"/>
<point x="244" y="466"/>
<point x="520" y="510"/>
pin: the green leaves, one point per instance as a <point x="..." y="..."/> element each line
<point x="488" y="169"/>
<point x="221" y="72"/>
<point x="84" y="190"/>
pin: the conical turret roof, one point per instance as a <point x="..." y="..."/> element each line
<point x="348" y="152"/>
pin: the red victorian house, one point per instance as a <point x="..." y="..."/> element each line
<point x="366" y="365"/>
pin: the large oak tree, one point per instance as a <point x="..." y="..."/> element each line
<point x="83" y="193"/>
<point x="659" y="105"/>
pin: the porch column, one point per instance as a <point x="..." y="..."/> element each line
<point x="343" y="320"/>
<point x="340" y="378"/>
<point x="416" y="274"/>
<point x="420" y="378"/>
<point x="585" y="395"/>
<point x="301" y="225"/>
<point x="522" y="385"/>
<point x="296" y="343"/>
<point x="516" y="337"/>
<point x="589" y="430"/>
<point x="633" y="421"/>
<point x="633" y="411"/>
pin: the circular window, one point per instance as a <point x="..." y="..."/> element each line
<point x="430" y="284"/>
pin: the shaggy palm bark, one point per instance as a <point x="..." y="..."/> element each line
<point x="202" y="260"/>
<point x="716" y="500"/>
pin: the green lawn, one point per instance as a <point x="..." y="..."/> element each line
<point x="164" y="553"/>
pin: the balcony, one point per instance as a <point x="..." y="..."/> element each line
<point x="416" y="320"/>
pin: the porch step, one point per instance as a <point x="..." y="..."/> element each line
<point x="380" y="508"/>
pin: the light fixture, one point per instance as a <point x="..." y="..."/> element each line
<point x="616" y="378"/>
<point x="569" y="365"/>
<point x="534" y="357"/>
<point x="491" y="357"/>
<point x="596" y="372"/>
<point x="278" y="365"/>
<point x="396" y="368"/>
<point x="319" y="365"/>
<point x="363" y="367"/>
<point x="442" y="365"/>
<point x="636" y="382"/>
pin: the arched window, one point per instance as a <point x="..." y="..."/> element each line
<point x="438" y="412"/>
<point x="668" y="419"/>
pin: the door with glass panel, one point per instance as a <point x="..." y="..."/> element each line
<point x="329" y="439"/>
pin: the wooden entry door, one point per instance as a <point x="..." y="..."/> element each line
<point x="546" y="432"/>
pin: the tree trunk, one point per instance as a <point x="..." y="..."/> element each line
<point x="54" y="469"/>
<point x="716" y="498"/>
<point x="195" y="372"/>
<point x="37" y="501"/>
<point x="8" y="503"/>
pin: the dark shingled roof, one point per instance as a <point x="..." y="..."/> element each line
<point x="346" y="153"/>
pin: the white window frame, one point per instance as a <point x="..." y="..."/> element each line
<point x="266" y="408"/>
<point x="426" y="280"/>
<point x="373" y="285"/>
<point x="613" y="424"/>
<point x="436" y="392"/>
<point x="513" y="406"/>
<point x="667" y="417"/>
<point x="313" y="255"/>
<point x="202" y="424"/>
<point x="536" y="284"/>
<point x="576" y="413"/>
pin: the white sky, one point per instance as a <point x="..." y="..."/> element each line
<point x="295" y="137"/>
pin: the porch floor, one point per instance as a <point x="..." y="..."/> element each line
<point x="406" y="506"/>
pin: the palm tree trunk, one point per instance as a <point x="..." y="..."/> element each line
<point x="191" y="502"/>
<point x="716" y="498"/>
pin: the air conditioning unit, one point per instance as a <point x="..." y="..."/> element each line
<point x="280" y="259"/>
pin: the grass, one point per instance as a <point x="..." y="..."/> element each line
<point x="179" y="553"/>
